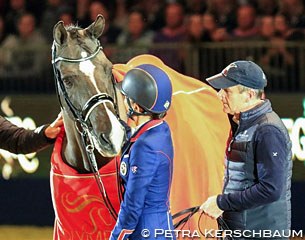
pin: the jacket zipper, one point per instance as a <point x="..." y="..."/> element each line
<point x="228" y="162"/>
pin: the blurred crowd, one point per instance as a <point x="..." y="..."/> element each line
<point x="138" y="23"/>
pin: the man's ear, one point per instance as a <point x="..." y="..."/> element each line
<point x="251" y="94"/>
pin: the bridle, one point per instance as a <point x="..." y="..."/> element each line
<point x="81" y="116"/>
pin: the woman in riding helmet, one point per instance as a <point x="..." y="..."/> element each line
<point x="147" y="159"/>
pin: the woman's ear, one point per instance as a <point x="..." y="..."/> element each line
<point x="137" y="108"/>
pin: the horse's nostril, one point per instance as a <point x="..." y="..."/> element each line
<point x="105" y="139"/>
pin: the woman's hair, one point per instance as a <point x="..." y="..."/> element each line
<point x="154" y="116"/>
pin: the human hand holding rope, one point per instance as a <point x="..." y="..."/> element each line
<point x="212" y="210"/>
<point x="210" y="207"/>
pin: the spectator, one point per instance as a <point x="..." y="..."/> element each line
<point x="121" y="14"/>
<point x="111" y="32"/>
<point x="209" y="22"/>
<point x="49" y="18"/>
<point x="267" y="28"/>
<point x="282" y="26"/>
<point x="278" y="51"/>
<point x="136" y="38"/>
<point x="267" y="7"/>
<point x="136" y="32"/>
<point x="154" y="11"/>
<point x="196" y="6"/>
<point x="2" y="30"/>
<point x="224" y="12"/>
<point x="196" y="35"/>
<point x="22" y="54"/>
<point x="173" y="32"/>
<point x="278" y="63"/>
<point x="66" y="15"/>
<point x="246" y="24"/>
<point x="294" y="10"/>
<point x="290" y="72"/>
<point x="294" y="70"/>
<point x="82" y="7"/>
<point x="17" y="8"/>
<point x="196" y="32"/>
<point x="283" y="29"/>
<point x="211" y="30"/>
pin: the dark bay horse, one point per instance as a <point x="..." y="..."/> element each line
<point x="83" y="174"/>
<point x="84" y="82"/>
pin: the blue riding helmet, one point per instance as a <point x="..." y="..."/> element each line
<point x="148" y="86"/>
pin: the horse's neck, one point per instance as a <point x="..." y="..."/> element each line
<point x="74" y="153"/>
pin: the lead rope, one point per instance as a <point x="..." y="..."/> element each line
<point x="93" y="164"/>
<point x="89" y="146"/>
<point x="193" y="210"/>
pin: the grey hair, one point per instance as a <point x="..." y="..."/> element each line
<point x="259" y="93"/>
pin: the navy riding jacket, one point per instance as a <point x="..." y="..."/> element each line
<point x="146" y="169"/>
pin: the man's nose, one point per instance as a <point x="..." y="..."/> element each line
<point x="220" y="94"/>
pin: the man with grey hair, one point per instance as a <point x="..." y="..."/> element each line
<point x="256" y="190"/>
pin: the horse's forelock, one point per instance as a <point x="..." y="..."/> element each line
<point x="73" y="27"/>
<point x="78" y="40"/>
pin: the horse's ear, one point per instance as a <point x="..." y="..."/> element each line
<point x="60" y="33"/>
<point x="97" y="27"/>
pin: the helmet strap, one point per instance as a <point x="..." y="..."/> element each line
<point x="131" y="112"/>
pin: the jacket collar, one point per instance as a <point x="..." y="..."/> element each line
<point x="146" y="126"/>
<point x="249" y="117"/>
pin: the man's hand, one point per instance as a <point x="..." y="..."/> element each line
<point x="211" y="208"/>
<point x="53" y="130"/>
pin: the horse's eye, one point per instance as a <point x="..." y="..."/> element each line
<point x="68" y="81"/>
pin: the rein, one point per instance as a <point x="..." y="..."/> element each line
<point x="81" y="116"/>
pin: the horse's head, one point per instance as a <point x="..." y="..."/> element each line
<point x="85" y="85"/>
